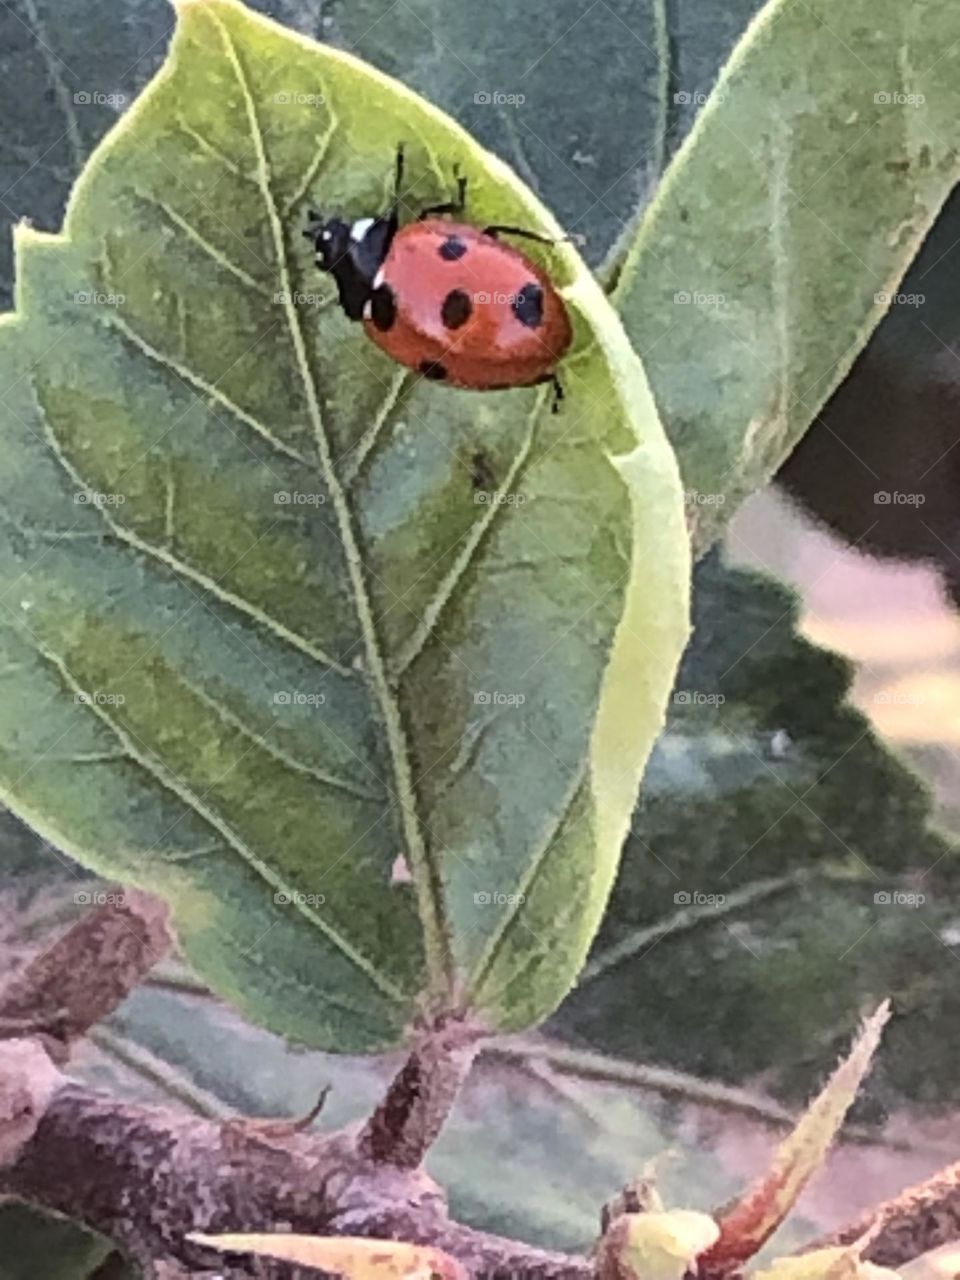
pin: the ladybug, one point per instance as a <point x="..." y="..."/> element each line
<point x="446" y="298"/>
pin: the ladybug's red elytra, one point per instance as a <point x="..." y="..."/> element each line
<point x="445" y="298"/>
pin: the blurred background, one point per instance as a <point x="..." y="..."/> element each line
<point x="794" y="858"/>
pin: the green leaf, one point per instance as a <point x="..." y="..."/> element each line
<point x="34" y="1243"/>
<point x="262" y="645"/>
<point x="771" y="816"/>
<point x="866" y="441"/>
<point x="790" y="213"/>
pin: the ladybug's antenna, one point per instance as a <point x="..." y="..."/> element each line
<point x="397" y="179"/>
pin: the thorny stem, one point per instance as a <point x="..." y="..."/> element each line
<point x="148" y="1176"/>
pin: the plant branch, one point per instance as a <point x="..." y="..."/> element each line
<point x="148" y="1176"/>
<point x="88" y="971"/>
<point x="919" y="1219"/>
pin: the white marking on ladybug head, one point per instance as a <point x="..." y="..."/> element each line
<point x="325" y="235"/>
<point x="360" y="228"/>
<point x="368" y="309"/>
<point x="378" y="279"/>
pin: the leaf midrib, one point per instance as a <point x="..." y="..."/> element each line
<point x="438" y="946"/>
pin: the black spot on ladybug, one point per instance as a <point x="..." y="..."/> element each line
<point x="528" y="305"/>
<point x="383" y="307"/>
<point x="433" y="370"/>
<point x="456" y="309"/>
<point x="452" y="249"/>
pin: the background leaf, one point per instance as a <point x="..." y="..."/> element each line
<point x="770" y="790"/>
<point x="829" y="172"/>
<point x="41" y="1244"/>
<point x="589" y="164"/>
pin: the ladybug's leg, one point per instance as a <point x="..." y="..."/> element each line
<point x="557" y="389"/>
<point x="451" y="206"/>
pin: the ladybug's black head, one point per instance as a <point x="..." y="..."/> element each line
<point x="352" y="254"/>
<point x="331" y="238"/>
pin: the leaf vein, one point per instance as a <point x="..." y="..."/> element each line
<point x="211" y="250"/>
<point x="185" y="570"/>
<point x="170" y="782"/>
<point x="524" y="888"/>
<point x="418" y="638"/>
<point x="214" y="152"/>
<point x="358" y="456"/>
<point x="204" y="388"/>
<point x="313" y="168"/>
<point x="234" y="721"/>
